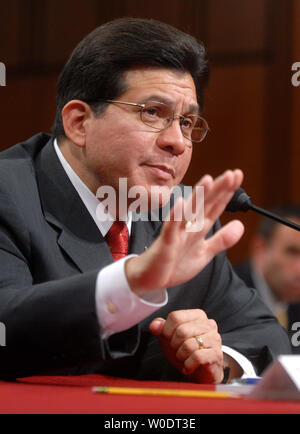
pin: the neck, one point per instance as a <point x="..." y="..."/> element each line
<point x="74" y="155"/>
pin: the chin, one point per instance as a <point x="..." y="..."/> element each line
<point x="152" y="194"/>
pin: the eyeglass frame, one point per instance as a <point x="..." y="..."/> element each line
<point x="171" y="119"/>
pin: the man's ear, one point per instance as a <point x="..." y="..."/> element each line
<point x="75" y="114"/>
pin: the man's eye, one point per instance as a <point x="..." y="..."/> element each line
<point x="151" y="111"/>
<point x="187" y="123"/>
<point x="292" y="251"/>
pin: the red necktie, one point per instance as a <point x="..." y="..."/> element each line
<point x="117" y="240"/>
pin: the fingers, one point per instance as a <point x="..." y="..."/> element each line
<point x="181" y="323"/>
<point x="222" y="191"/>
<point x="225" y="238"/>
<point x="188" y="331"/>
<point x="208" y="360"/>
<point x="218" y="194"/>
<point x="156" y="326"/>
<point x="180" y="330"/>
<point x="210" y="339"/>
<point x="173" y="223"/>
<point x="218" y="191"/>
<point x="193" y="356"/>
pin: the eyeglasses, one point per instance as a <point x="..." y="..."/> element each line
<point x="160" y="116"/>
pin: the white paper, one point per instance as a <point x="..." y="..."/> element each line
<point x="280" y="381"/>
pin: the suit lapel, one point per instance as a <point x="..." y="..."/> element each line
<point x="83" y="244"/>
<point x="78" y="235"/>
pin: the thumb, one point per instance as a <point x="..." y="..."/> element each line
<point x="225" y="238"/>
<point x="156" y="326"/>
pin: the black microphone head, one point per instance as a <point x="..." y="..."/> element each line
<point x="240" y="201"/>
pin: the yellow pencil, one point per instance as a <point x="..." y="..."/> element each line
<point x="163" y="392"/>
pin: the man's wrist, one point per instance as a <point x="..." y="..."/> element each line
<point x="131" y="268"/>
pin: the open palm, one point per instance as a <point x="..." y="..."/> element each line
<point x="178" y="255"/>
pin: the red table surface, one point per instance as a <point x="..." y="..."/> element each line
<point x="73" y="395"/>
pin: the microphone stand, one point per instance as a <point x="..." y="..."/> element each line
<point x="274" y="217"/>
<point x="242" y="202"/>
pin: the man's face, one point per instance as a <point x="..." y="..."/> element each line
<point x="120" y="145"/>
<point x="281" y="266"/>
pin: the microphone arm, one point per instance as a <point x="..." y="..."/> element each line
<point x="242" y="202"/>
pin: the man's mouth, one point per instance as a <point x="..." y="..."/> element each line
<point x="162" y="171"/>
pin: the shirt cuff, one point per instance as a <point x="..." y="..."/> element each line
<point x="117" y="307"/>
<point x="244" y="363"/>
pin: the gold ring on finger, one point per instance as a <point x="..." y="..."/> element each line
<point x="200" y="342"/>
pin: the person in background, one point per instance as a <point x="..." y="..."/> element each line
<point x="273" y="267"/>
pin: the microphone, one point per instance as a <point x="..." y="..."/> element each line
<point x="240" y="201"/>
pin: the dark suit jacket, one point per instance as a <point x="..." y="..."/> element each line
<point x="50" y="255"/>
<point x="245" y="272"/>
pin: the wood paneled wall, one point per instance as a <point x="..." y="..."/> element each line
<point x="294" y="180"/>
<point x="252" y="108"/>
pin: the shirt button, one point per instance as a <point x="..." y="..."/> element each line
<point x="111" y="308"/>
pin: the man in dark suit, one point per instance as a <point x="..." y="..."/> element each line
<point x="128" y="108"/>
<point x="274" y="268"/>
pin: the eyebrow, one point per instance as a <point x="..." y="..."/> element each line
<point x="192" y="108"/>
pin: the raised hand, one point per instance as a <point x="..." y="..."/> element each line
<point x="177" y="255"/>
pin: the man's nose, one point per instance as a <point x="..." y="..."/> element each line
<point x="171" y="139"/>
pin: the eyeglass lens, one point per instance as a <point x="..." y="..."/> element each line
<point x="160" y="116"/>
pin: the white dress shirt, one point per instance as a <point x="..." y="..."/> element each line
<point x="117" y="307"/>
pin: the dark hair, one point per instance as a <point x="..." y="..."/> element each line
<point x="288" y="211"/>
<point x="95" y="69"/>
